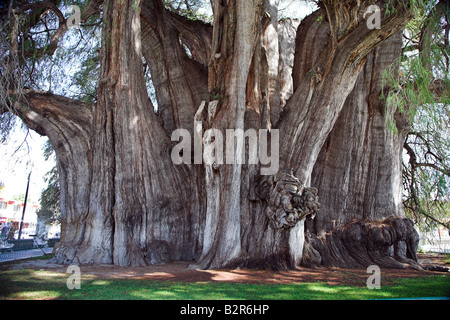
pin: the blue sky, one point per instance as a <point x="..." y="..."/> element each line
<point x="16" y="164"/>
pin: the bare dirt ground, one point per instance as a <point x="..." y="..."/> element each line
<point x="182" y="271"/>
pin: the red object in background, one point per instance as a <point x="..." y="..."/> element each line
<point x="11" y="202"/>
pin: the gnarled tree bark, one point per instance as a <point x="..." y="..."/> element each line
<point x="362" y="222"/>
<point x="125" y="202"/>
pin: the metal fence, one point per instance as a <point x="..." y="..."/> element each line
<point x="439" y="246"/>
<point x="24" y="249"/>
<point x="27" y="244"/>
<point x="24" y="254"/>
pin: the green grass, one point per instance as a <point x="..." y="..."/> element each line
<point x="34" y="284"/>
<point x="447" y="258"/>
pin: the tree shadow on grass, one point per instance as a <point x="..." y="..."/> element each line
<point x="176" y="281"/>
<point x="34" y="284"/>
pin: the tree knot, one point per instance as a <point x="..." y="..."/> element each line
<point x="288" y="202"/>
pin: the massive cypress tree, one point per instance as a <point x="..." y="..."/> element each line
<point x="314" y="93"/>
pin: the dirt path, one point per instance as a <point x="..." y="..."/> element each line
<point x="181" y="271"/>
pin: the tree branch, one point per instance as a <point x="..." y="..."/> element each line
<point x="180" y="82"/>
<point x="435" y="167"/>
<point x="38" y="10"/>
<point x="428" y="29"/>
<point x="422" y="212"/>
<point x="42" y="111"/>
<point x="196" y="35"/>
<point x="320" y="93"/>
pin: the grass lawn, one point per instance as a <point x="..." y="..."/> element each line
<point x="35" y="284"/>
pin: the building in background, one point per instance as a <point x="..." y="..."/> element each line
<point x="11" y="214"/>
<point x="436" y="240"/>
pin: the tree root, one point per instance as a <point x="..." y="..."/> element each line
<point x="391" y="243"/>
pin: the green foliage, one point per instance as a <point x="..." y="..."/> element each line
<point x="50" y="211"/>
<point x="415" y="6"/>
<point x="50" y="206"/>
<point x="85" y="79"/>
<point x="71" y="70"/>
<point x="191" y="9"/>
<point x="214" y="96"/>
<point x="7" y="124"/>
<point x="421" y="91"/>
<point x="19" y="197"/>
<point x="447" y="258"/>
<point x="423" y="80"/>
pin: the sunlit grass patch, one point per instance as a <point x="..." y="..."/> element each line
<point x="36" y="295"/>
<point x="34" y="285"/>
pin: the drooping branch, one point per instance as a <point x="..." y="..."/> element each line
<point x="417" y="208"/>
<point x="37" y="11"/>
<point x="428" y="29"/>
<point x="429" y="165"/>
<point x="22" y="19"/>
<point x="422" y="158"/>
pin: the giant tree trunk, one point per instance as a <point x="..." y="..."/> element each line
<point x="125" y="201"/>
<point x="359" y="177"/>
